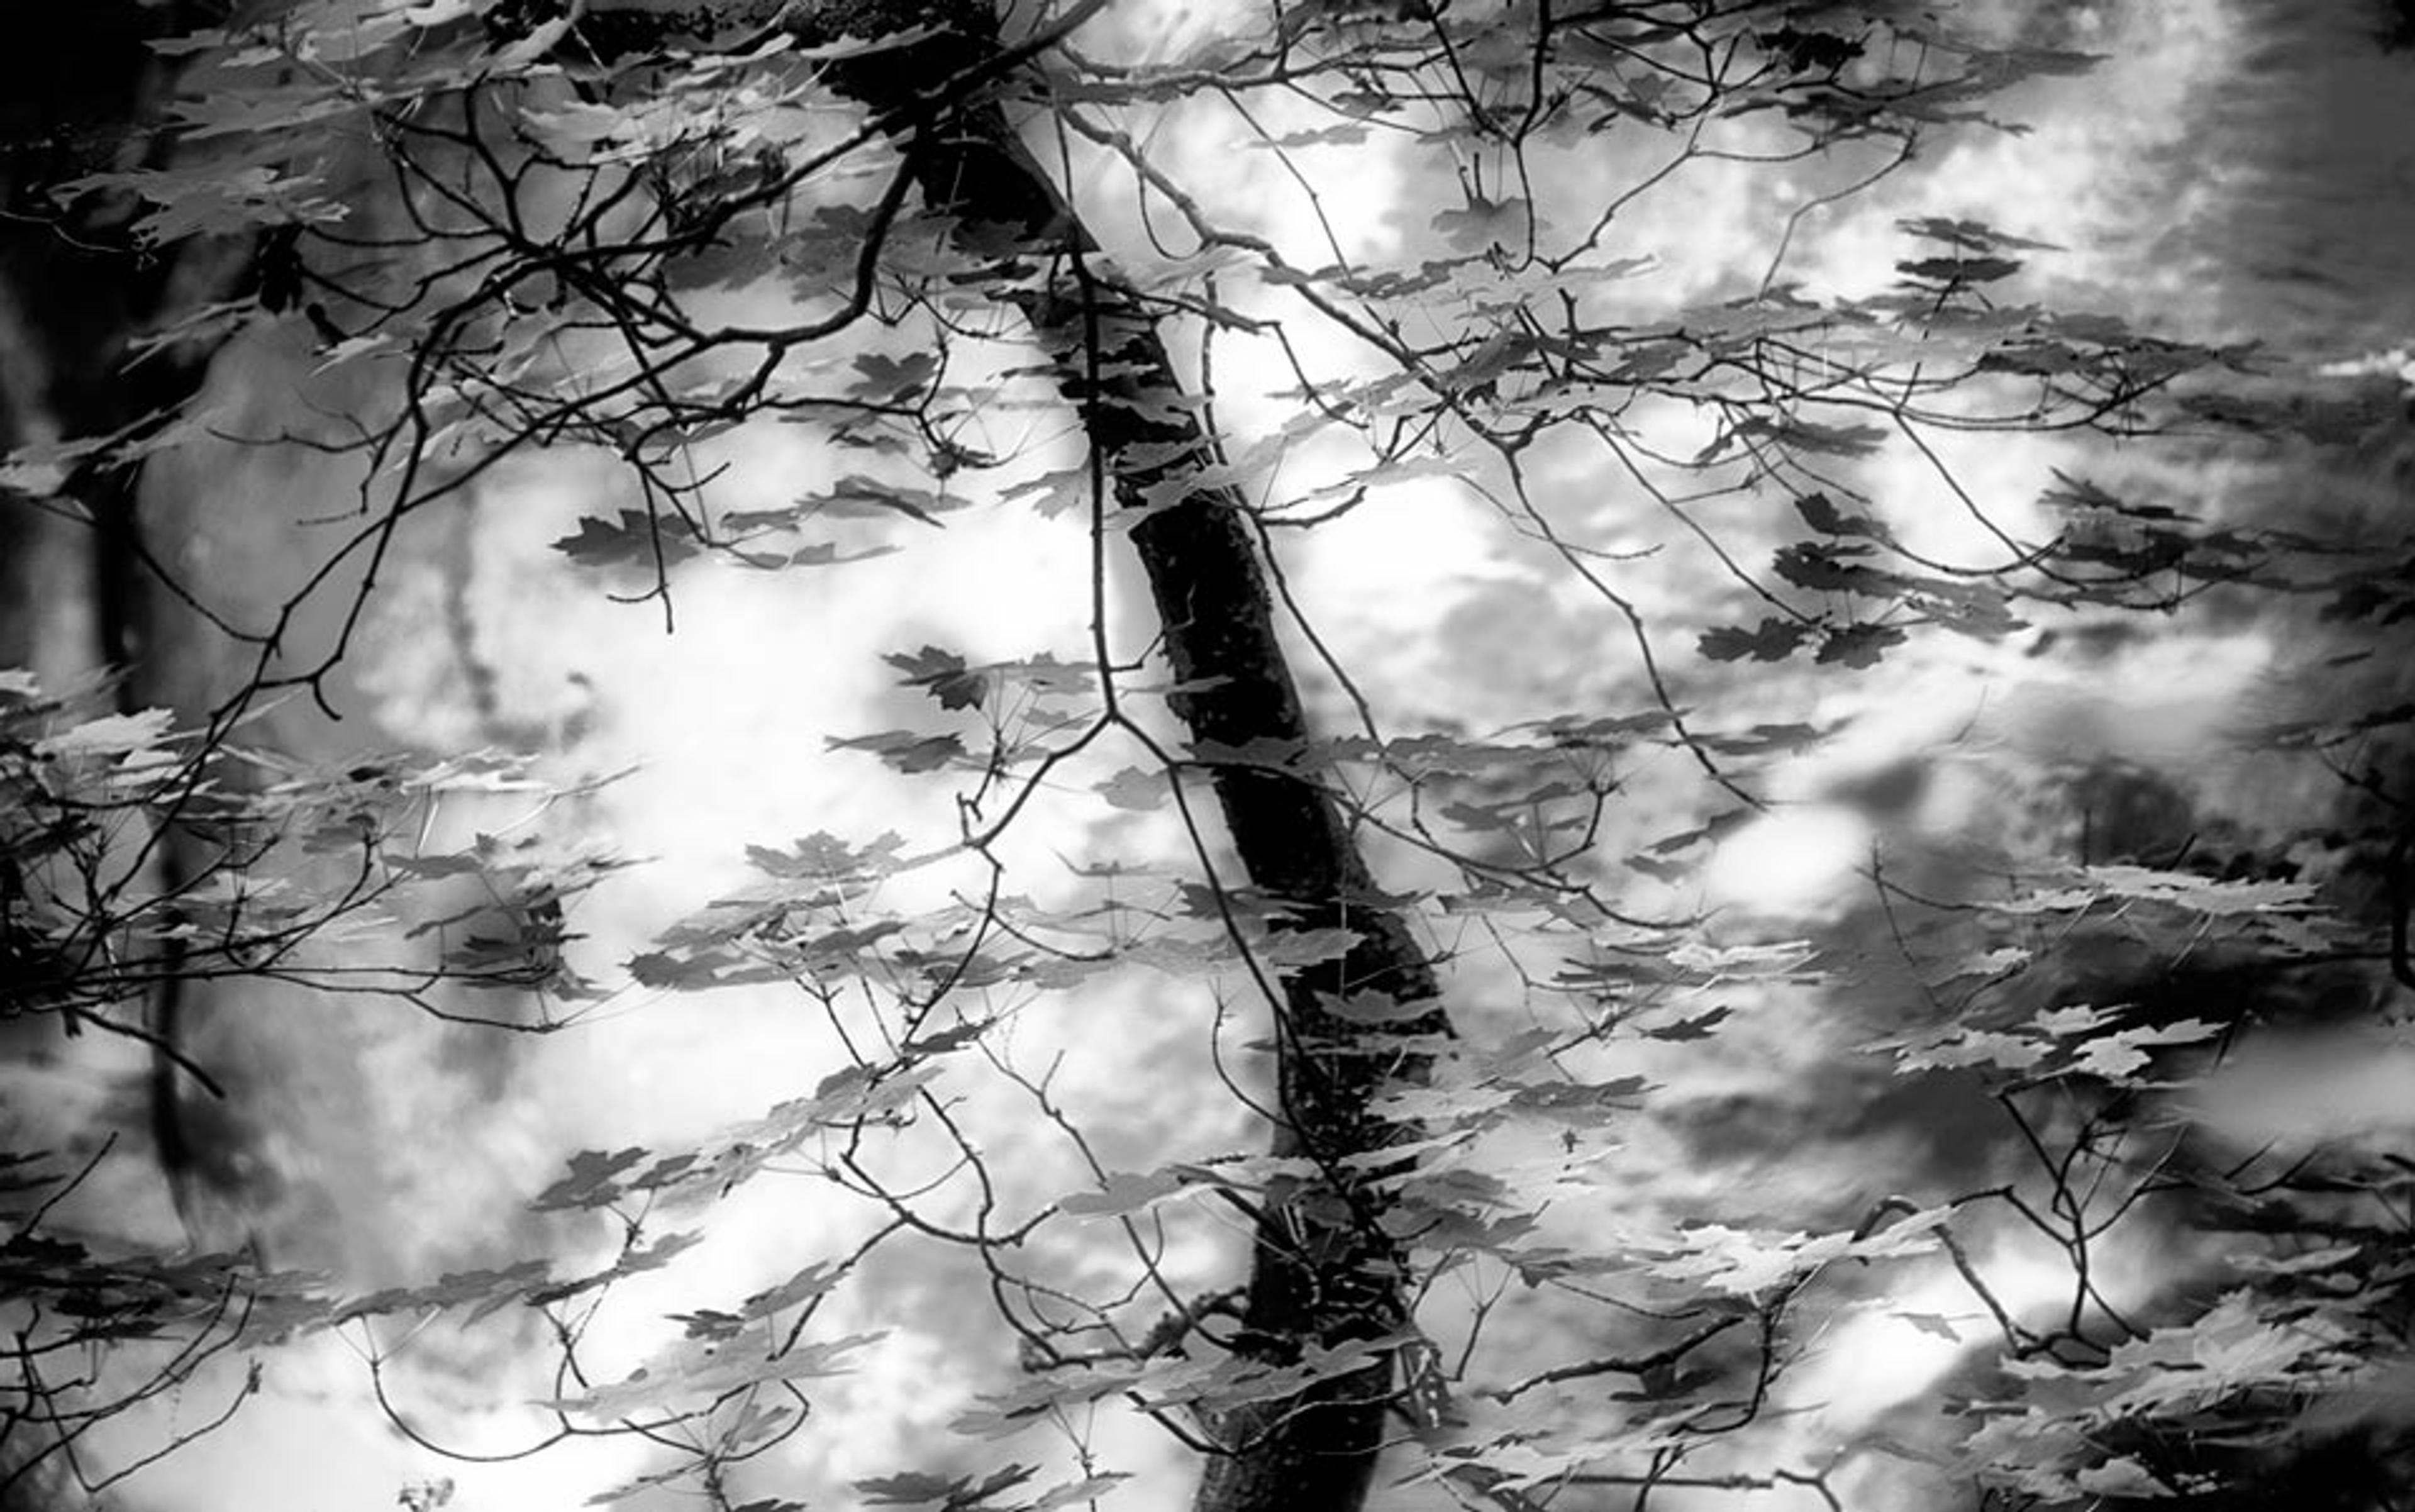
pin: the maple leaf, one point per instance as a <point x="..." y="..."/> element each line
<point x="1960" y="270"/>
<point x="859" y="497"/>
<point x="695" y="1370"/>
<point x="1124" y="1193"/>
<point x="893" y="379"/>
<point x="1771" y="641"/>
<point x="639" y="538"/>
<point x="904" y="750"/>
<point x="592" y="1181"/>
<point x="1086" y="1491"/>
<point x="1374" y="1008"/>
<point x="1697" y="1027"/>
<point x="117" y="735"/>
<point x="1858" y="645"/>
<point x="2122" y="1478"/>
<point x="1974" y="235"/>
<point x="1288" y="950"/>
<point x="958" y="1494"/>
<point x="1483" y="223"/>
<point x="1132" y="788"/>
<point x="943" y="675"/>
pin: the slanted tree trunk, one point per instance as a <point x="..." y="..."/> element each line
<point x="1324" y="1273"/>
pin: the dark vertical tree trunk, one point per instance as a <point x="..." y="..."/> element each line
<point x="80" y="87"/>
<point x="1324" y="1273"/>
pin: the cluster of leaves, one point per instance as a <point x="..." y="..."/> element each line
<point x="595" y="218"/>
<point x="134" y="856"/>
<point x="138" y="860"/>
<point x="632" y="230"/>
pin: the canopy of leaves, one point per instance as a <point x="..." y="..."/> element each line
<point x="650" y="235"/>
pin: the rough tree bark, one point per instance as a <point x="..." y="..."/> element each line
<point x="1324" y="1273"/>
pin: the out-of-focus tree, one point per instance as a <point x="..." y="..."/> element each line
<point x="636" y="229"/>
<point x="296" y="875"/>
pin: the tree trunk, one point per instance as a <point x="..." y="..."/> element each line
<point x="1324" y="1273"/>
<point x="78" y="93"/>
<point x="78" y="86"/>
